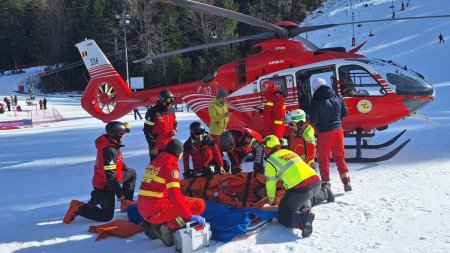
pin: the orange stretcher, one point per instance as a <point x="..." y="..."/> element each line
<point x="242" y="190"/>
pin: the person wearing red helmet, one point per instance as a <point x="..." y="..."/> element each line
<point x="160" y="125"/>
<point x="274" y="110"/>
<point x="160" y="201"/>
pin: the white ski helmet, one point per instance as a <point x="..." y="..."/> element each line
<point x="297" y="115"/>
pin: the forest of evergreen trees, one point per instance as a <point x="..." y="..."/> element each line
<point x="44" y="32"/>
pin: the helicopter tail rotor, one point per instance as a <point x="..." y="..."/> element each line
<point x="107" y="96"/>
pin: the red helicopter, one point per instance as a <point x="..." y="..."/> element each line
<point x="376" y="92"/>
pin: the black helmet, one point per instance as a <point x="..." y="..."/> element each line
<point x="196" y="128"/>
<point x="174" y="147"/>
<point x="226" y="140"/>
<point x="115" y="129"/>
<point x="164" y="95"/>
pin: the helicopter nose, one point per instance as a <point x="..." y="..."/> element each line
<point x="414" y="104"/>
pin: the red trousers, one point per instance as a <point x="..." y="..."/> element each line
<point x="332" y="142"/>
<point x="216" y="139"/>
<point x="162" y="210"/>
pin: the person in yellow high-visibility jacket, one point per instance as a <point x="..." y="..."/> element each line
<point x="301" y="182"/>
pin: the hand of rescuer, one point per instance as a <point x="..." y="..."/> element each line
<point x="173" y="132"/>
<point x="154" y="151"/>
<point x="199" y="219"/>
<point x="222" y="171"/>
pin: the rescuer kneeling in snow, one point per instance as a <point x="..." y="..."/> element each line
<point x="301" y="183"/>
<point x="109" y="172"/>
<point x="160" y="200"/>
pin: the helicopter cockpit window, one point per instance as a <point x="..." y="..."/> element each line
<point x="400" y="79"/>
<point x="356" y="81"/>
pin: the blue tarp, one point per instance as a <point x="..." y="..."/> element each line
<point x="227" y="223"/>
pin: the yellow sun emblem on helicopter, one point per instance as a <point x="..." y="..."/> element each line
<point x="364" y="106"/>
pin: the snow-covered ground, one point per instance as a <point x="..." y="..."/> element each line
<point x="400" y="205"/>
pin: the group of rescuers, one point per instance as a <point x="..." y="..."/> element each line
<point x="160" y="201"/>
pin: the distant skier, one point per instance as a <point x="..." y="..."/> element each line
<point x="441" y="38"/>
<point x="44" y="103"/>
<point x="8" y="103"/>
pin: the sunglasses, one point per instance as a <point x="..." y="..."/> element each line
<point x="199" y="133"/>
<point x="299" y="124"/>
<point x="169" y="100"/>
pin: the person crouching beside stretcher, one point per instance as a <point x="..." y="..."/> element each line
<point x="239" y="143"/>
<point x="301" y="182"/>
<point x="160" y="201"/>
<point x="206" y="157"/>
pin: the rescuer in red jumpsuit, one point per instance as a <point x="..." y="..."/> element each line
<point x="160" y="201"/>
<point x="274" y="110"/>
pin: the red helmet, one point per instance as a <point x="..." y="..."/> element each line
<point x="269" y="86"/>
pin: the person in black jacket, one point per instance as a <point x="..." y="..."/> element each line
<point x="327" y="109"/>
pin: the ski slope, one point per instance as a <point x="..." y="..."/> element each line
<point x="400" y="205"/>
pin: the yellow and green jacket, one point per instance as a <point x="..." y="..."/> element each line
<point x="286" y="166"/>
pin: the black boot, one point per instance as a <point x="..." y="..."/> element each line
<point x="327" y="189"/>
<point x="307" y="219"/>
<point x="165" y="234"/>
<point x="150" y="229"/>
<point x="347" y="187"/>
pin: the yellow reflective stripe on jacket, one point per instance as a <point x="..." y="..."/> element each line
<point x="148" y="122"/>
<point x="271" y="181"/>
<point x="269" y="103"/>
<point x="278" y="122"/>
<point x="290" y="168"/>
<point x="150" y="177"/>
<point x="110" y="167"/>
<point x="173" y="184"/>
<point x="150" y="193"/>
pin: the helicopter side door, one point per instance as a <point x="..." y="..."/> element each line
<point x="304" y="79"/>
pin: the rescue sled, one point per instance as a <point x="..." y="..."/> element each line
<point x="242" y="190"/>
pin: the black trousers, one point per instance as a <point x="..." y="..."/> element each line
<point x="106" y="199"/>
<point x="295" y="199"/>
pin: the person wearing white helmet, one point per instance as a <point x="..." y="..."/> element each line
<point x="302" y="140"/>
<point x="327" y="111"/>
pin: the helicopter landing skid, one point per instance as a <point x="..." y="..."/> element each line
<point x="360" y="144"/>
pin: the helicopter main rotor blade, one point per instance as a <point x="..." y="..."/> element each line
<point x="265" y="35"/>
<point x="217" y="11"/>
<point x="305" y="29"/>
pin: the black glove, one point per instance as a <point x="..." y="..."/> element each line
<point x="189" y="173"/>
<point x="258" y="168"/>
<point x="206" y="171"/>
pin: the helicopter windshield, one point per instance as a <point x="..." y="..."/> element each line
<point x="403" y="81"/>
